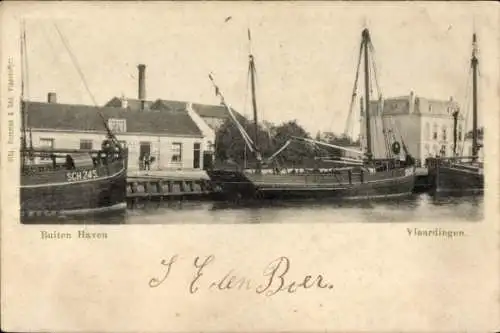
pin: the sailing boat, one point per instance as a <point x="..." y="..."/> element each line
<point x="363" y="178"/>
<point x="64" y="182"/>
<point x="461" y="174"/>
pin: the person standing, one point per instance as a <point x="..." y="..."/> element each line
<point x="147" y="161"/>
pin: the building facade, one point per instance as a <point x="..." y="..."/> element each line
<point x="425" y="125"/>
<point x="171" y="138"/>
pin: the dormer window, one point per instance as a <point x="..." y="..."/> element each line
<point x="117" y="125"/>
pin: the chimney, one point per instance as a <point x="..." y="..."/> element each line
<point x="411" y="103"/>
<point x="142" y="84"/>
<point x="124" y="102"/>
<point x="51" y="98"/>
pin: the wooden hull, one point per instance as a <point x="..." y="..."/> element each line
<point x="456" y="178"/>
<point x="81" y="191"/>
<point x="339" y="185"/>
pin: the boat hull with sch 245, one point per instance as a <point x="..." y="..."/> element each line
<point x="79" y="184"/>
<point x="338" y="184"/>
<point x="57" y="182"/>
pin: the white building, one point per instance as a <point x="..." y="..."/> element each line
<point x="425" y="125"/>
<point x="171" y="137"/>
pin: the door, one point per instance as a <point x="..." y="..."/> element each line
<point x="207" y="160"/>
<point x="144" y="150"/>
<point x="196" y="157"/>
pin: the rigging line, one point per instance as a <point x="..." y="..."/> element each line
<point x="334" y="86"/>
<point x="385" y="137"/>
<point x="467" y="107"/>
<point x="268" y="130"/>
<point x="466" y="120"/>
<point x="25" y="82"/>
<point x="26" y="63"/>
<point x="354" y="94"/>
<point x="24" y="108"/>
<point x="246" y="92"/>
<point x="243" y="133"/>
<point x="375" y="71"/>
<point x="75" y="62"/>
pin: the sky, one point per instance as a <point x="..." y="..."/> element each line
<point x="305" y="53"/>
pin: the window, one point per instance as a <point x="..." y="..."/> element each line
<point x="177" y="152"/>
<point x="442" y="152"/>
<point x="434" y="132"/>
<point x="443" y="133"/>
<point x="117" y="125"/>
<point x="427" y="150"/>
<point x="427" y="131"/>
<point x="85" y="144"/>
<point x="459" y="132"/>
<point x="123" y="143"/>
<point x="47" y="143"/>
<point x="435" y="150"/>
<point x="430" y="108"/>
<point x="197" y="155"/>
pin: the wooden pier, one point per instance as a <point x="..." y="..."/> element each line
<point x="168" y="188"/>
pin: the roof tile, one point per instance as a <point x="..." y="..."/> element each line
<point x="86" y="118"/>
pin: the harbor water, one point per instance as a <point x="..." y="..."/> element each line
<point x="417" y="208"/>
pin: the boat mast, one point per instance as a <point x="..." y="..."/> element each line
<point x="23" y="110"/>
<point x="474" y="63"/>
<point x="365" y="41"/>
<point x="251" y="69"/>
<point x="455" y="131"/>
<point x="254" y="101"/>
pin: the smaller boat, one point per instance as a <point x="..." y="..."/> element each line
<point x="461" y="174"/>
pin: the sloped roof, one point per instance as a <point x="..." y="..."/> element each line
<point x="132" y="103"/>
<point x="213" y="111"/>
<point x="203" y="110"/>
<point x="163" y="104"/>
<point x="86" y="118"/>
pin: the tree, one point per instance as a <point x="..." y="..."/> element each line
<point x="229" y="142"/>
<point x="296" y="152"/>
<point x="339" y="140"/>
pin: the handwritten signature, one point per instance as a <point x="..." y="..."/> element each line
<point x="275" y="278"/>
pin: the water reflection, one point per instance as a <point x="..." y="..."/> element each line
<point x="416" y="208"/>
<point x="421" y="207"/>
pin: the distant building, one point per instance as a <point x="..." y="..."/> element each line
<point x="426" y="125"/>
<point x="171" y="137"/>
